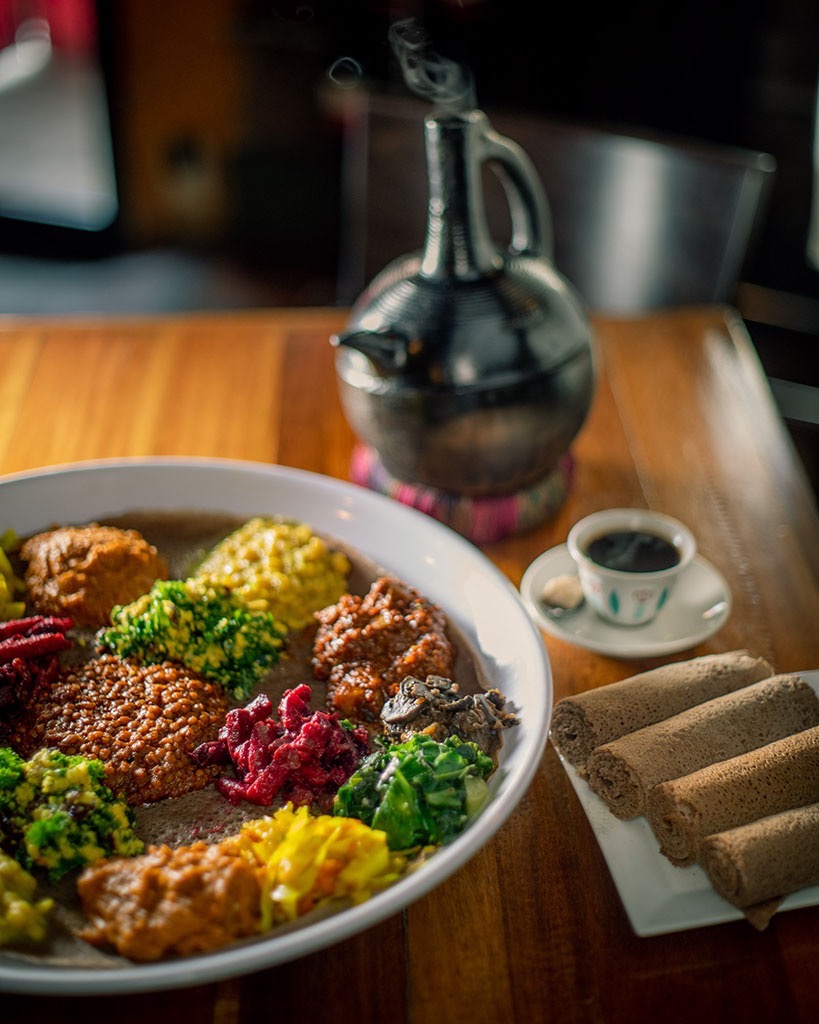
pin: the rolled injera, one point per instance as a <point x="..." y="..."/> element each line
<point x="622" y="772"/>
<point x="587" y="720"/>
<point x="764" y="859"/>
<point x="721" y="796"/>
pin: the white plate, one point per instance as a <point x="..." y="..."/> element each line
<point x="699" y="606"/>
<point x="657" y="896"/>
<point x="447" y="569"/>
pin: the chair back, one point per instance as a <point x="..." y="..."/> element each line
<point x="640" y="223"/>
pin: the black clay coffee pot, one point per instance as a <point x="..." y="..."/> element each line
<point x="468" y="366"/>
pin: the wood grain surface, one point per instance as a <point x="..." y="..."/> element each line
<point x="532" y="928"/>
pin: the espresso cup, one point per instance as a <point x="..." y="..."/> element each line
<point x="628" y="560"/>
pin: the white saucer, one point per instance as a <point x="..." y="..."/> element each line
<point x="699" y="606"/>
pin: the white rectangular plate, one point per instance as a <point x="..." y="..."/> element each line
<point x="657" y="896"/>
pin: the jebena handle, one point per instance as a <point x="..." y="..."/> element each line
<point x="532" y="231"/>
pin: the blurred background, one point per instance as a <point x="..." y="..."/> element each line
<point x="188" y="154"/>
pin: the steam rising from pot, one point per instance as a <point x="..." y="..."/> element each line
<point x="450" y="86"/>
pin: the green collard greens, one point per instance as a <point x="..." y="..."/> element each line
<point x="420" y="792"/>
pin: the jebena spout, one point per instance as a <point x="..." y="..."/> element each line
<point x="387" y="350"/>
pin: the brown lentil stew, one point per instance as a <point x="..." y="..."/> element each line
<point x="142" y="721"/>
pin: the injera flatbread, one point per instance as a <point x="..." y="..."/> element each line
<point x="764" y="859"/>
<point x="182" y="536"/>
<point x="765" y="781"/>
<point x="622" y="772"/>
<point x="587" y="720"/>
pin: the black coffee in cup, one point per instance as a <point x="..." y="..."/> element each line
<point x="633" y="551"/>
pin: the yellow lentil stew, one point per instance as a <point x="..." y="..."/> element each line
<point x="278" y="566"/>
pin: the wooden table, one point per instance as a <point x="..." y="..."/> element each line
<point x="532" y="928"/>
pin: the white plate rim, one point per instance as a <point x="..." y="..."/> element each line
<point x="658" y="897"/>
<point x="625" y="641"/>
<point x="529" y="671"/>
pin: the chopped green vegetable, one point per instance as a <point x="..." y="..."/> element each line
<point x="15" y="795"/>
<point x="420" y="792"/>
<point x="56" y="813"/>
<point x="22" y="918"/>
<point x="206" y="628"/>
